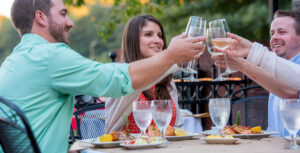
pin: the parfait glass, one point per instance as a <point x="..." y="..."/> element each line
<point x="162" y="114"/>
<point x="222" y="23"/>
<point x="142" y="115"/>
<point x="290" y="117"/>
<point x="210" y="46"/>
<point x="196" y="27"/>
<point x="219" y="110"/>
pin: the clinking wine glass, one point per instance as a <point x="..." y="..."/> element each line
<point x="219" y="110"/>
<point x="162" y="114"/>
<point x="142" y="114"/>
<point x="211" y="51"/>
<point x="290" y="117"/>
<point x="196" y="27"/>
<point x="222" y="23"/>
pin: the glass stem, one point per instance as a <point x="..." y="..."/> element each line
<point x="226" y="62"/>
<point x="294" y="143"/>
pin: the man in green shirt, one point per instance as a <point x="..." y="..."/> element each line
<point x="43" y="73"/>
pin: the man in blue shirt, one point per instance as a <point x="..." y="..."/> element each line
<point x="43" y="74"/>
<point x="285" y="38"/>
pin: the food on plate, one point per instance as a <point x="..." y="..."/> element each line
<point x="256" y="129"/>
<point x="170" y="131"/>
<point x="144" y="140"/>
<point x="219" y="136"/>
<point x="153" y="131"/>
<point x="180" y="132"/>
<point x="106" y="138"/>
<point x="115" y="136"/>
<point x="239" y="129"/>
<point x="214" y="136"/>
<point x="120" y="136"/>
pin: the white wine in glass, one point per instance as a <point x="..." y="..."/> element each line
<point x="222" y="23"/>
<point x="290" y="116"/>
<point x="211" y="51"/>
<point x="142" y="114"/>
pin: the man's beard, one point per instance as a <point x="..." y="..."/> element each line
<point x="57" y="31"/>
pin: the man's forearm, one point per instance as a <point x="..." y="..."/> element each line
<point x="145" y="71"/>
<point x="269" y="82"/>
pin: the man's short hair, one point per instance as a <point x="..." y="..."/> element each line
<point x="23" y="13"/>
<point x="291" y="13"/>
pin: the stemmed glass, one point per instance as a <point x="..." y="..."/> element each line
<point x="222" y="23"/>
<point x="162" y="114"/>
<point x="219" y="110"/>
<point x="196" y="27"/>
<point x="142" y="114"/>
<point x="290" y="116"/>
<point x="210" y="46"/>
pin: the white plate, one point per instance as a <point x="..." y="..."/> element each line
<point x="140" y="146"/>
<point x="97" y="143"/>
<point x="265" y="134"/>
<point x="220" y="140"/>
<point x="184" y="137"/>
<point x="289" y="138"/>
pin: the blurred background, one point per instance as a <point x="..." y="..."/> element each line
<point x="99" y="23"/>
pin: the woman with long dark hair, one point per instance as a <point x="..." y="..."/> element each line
<point x="143" y="37"/>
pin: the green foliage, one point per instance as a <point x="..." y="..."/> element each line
<point x="74" y="2"/>
<point x="8" y="40"/>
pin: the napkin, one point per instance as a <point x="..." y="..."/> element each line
<point x="185" y="112"/>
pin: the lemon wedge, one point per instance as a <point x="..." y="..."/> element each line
<point x="180" y="132"/>
<point x="106" y="138"/>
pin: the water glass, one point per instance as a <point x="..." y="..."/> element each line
<point x="290" y="116"/>
<point x="162" y="114"/>
<point x="219" y="110"/>
<point x="142" y="114"/>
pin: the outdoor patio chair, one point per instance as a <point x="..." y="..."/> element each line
<point x="252" y="102"/>
<point x="15" y="132"/>
<point x="90" y="122"/>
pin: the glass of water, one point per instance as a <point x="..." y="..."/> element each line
<point x="219" y="110"/>
<point x="142" y="114"/>
<point x="162" y="114"/>
<point x="290" y="116"/>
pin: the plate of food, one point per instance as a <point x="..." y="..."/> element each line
<point x="97" y="143"/>
<point x="143" y="142"/>
<point x="109" y="140"/>
<point x="238" y="131"/>
<point x="172" y="134"/>
<point x="289" y="139"/>
<point x="182" y="137"/>
<point x="217" y="139"/>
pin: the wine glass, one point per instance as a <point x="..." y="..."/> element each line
<point x="219" y="110"/>
<point x="162" y="114"/>
<point x="290" y="117"/>
<point x="142" y="114"/>
<point x="210" y="50"/>
<point x="222" y="23"/>
<point x="196" y="27"/>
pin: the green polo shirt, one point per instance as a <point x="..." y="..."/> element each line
<point x="42" y="79"/>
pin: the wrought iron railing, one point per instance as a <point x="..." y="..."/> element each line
<point x="191" y="95"/>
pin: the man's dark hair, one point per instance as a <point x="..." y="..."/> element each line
<point x="293" y="14"/>
<point x="22" y="13"/>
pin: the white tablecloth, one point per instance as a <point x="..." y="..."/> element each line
<point x="192" y="125"/>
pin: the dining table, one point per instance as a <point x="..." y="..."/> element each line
<point x="197" y="145"/>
